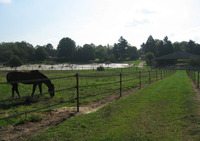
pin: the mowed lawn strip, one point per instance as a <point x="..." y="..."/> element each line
<point x="164" y="110"/>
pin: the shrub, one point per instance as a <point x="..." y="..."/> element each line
<point x="101" y="68"/>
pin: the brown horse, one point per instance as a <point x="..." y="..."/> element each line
<point x="33" y="77"/>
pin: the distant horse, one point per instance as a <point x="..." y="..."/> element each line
<point x="33" y="77"/>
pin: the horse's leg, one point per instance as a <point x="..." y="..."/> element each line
<point x="34" y="86"/>
<point x="16" y="89"/>
<point x="40" y="87"/>
<point x="13" y="91"/>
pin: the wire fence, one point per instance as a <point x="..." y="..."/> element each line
<point x="88" y="86"/>
<point x="193" y="73"/>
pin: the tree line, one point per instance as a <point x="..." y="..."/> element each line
<point x="18" y="53"/>
<point x="163" y="47"/>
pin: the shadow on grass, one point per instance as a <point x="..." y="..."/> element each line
<point x="21" y="102"/>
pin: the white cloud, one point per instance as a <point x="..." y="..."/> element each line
<point x="5" y="1"/>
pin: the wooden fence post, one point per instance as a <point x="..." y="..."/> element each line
<point x="164" y="73"/>
<point x="198" y="79"/>
<point x="194" y="77"/>
<point x="156" y="74"/>
<point x="120" y="84"/>
<point x="140" y="79"/>
<point x="77" y="87"/>
<point x="149" y="76"/>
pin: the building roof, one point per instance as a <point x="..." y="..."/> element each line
<point x="178" y="55"/>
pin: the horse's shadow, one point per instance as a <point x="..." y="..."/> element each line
<point x="21" y="102"/>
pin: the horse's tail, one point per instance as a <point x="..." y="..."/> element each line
<point x="8" y="77"/>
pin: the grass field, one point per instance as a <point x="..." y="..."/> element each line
<point x="165" y="110"/>
<point x="130" y="78"/>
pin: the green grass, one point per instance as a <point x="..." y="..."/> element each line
<point x="18" y="106"/>
<point x="160" y="111"/>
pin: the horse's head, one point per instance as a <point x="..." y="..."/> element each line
<point x="51" y="90"/>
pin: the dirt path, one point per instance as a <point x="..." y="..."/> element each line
<point x="55" y="117"/>
<point x="141" y="65"/>
<point x="52" y="118"/>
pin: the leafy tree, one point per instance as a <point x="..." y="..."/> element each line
<point x="26" y="51"/>
<point x="194" y="62"/>
<point x="160" y="48"/>
<point x="15" y="61"/>
<point x="66" y="48"/>
<point x="101" y="53"/>
<point x="168" y="46"/>
<point x="177" y="47"/>
<point x="120" y="49"/>
<point x="132" y="52"/>
<point x="116" y="51"/>
<point x="149" y="46"/>
<point x="8" y="54"/>
<point x="191" y="47"/>
<point x="88" y="52"/>
<point x="183" y="45"/>
<point x="148" y="57"/>
<point x="123" y="45"/>
<point x="51" y="51"/>
<point x="41" y="53"/>
<point x="23" y="50"/>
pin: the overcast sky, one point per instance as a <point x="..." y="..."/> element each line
<point x="98" y="21"/>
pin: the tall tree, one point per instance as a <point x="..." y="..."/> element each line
<point x="149" y="46"/>
<point x="116" y="51"/>
<point x="120" y="49"/>
<point x="168" y="46"/>
<point x="88" y="52"/>
<point x="191" y="47"/>
<point x="66" y="49"/>
<point x="101" y="53"/>
<point x="27" y="51"/>
<point x="51" y="51"/>
<point x="122" y="46"/>
<point x="15" y="61"/>
<point x="160" y="48"/>
<point x="41" y="53"/>
<point x="177" y="47"/>
<point x="132" y="52"/>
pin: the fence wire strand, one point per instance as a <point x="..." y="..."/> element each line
<point x="36" y="109"/>
<point x="144" y="74"/>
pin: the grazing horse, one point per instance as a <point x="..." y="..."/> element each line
<point x="33" y="77"/>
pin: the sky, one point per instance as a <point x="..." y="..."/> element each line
<point x="100" y="22"/>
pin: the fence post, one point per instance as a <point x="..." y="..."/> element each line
<point x="198" y="79"/>
<point x="194" y="77"/>
<point x="156" y="74"/>
<point x="140" y="80"/>
<point x="120" y="84"/>
<point x="149" y="76"/>
<point x="164" y="73"/>
<point x="77" y="87"/>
